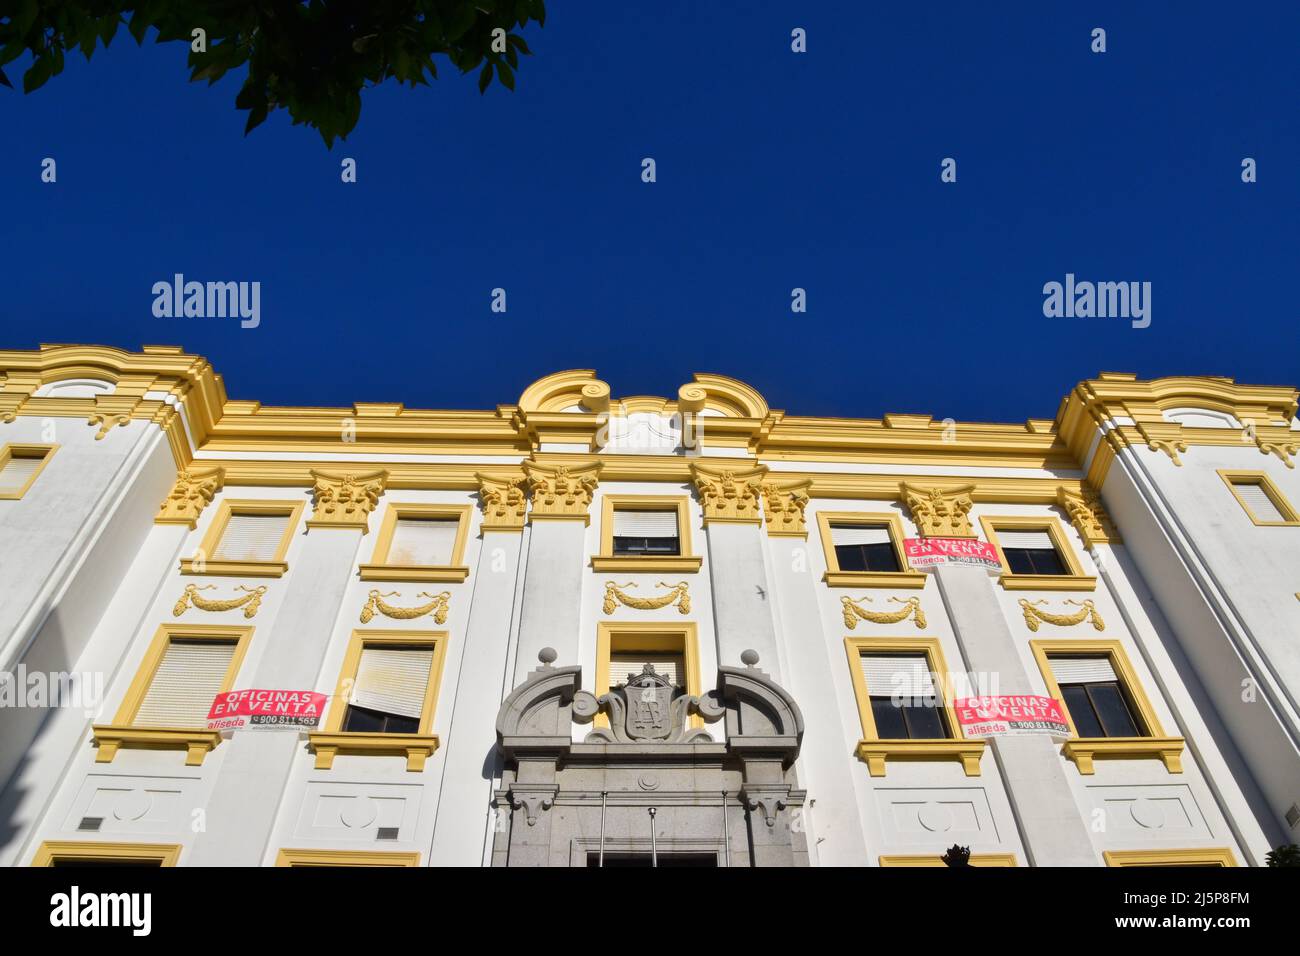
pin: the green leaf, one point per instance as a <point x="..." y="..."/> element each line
<point x="4" y="80"/>
<point x="507" y="76"/>
<point x="485" y="77"/>
<point x="38" y="73"/>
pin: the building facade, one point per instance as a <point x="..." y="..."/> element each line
<point x="581" y="630"/>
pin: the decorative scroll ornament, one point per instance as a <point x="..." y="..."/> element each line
<point x="1170" y="447"/>
<point x="647" y="709"/>
<point x="680" y="594"/>
<point x="250" y="602"/>
<point x="1088" y="517"/>
<point x="1088" y="613"/>
<point x="558" y="491"/>
<point x="912" y="608"/>
<point x="939" y="513"/>
<point x="437" y="606"/>
<point x="783" y="508"/>
<point x="729" y="495"/>
<point x="193" y="490"/>
<point x="346" y="500"/>
<point x="504" y="503"/>
<point x="1284" y="450"/>
<point x="105" y="422"/>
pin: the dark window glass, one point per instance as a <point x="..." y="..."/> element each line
<point x="867" y="557"/>
<point x="907" y="721"/>
<point x="1100" y="710"/>
<point x="646" y="546"/>
<point x="1034" y="561"/>
<point x="362" y="720"/>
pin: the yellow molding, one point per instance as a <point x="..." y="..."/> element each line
<point x="294" y="857"/>
<point x="190" y="495"/>
<point x="650" y="637"/>
<point x="17" y="450"/>
<point x="1153" y="744"/>
<point x="1216" y="856"/>
<point x="684" y="561"/>
<point x="875" y="751"/>
<point x="454" y="571"/>
<point x="416" y="747"/>
<point x="197" y="742"/>
<point x="976" y="859"/>
<point x="51" y="852"/>
<point x="834" y="577"/>
<point x="1234" y="478"/>
<point x="1076" y="580"/>
<point x="273" y="568"/>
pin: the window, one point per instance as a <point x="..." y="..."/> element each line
<point x="345" y="858"/>
<point x="623" y="649"/>
<point x="247" y="538"/>
<point x="1262" y="500"/>
<point x="420" y="542"/>
<point x="1036" y="553"/>
<point x="1217" y="856"/>
<point x="865" y="550"/>
<point x="905" y="705"/>
<point x="386" y="698"/>
<point x="167" y="704"/>
<point x="70" y="853"/>
<point x="1108" y="712"/>
<point x="645" y="533"/>
<point x="19" y="466"/>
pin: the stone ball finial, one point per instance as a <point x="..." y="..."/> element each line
<point x="547" y="655"/>
<point x="749" y="657"/>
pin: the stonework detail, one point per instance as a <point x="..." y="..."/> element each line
<point x="1089" y="517"/>
<point x="615" y="595"/>
<point x="193" y="491"/>
<point x="940" y="513"/>
<point x="505" y="506"/>
<point x="783" y="508"/>
<point x="558" y="491"/>
<point x="346" y="500"/>
<point x="729" y="495"/>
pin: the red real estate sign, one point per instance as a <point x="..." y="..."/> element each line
<point x="1003" y="716"/>
<point x="266" y="709"/>
<point x="927" y="552"/>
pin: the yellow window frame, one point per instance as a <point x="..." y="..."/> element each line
<point x="875" y="751"/>
<point x="274" y="568"/>
<point x="1214" y="856"/>
<point x="651" y="638"/>
<point x="455" y="571"/>
<point x="1232" y="479"/>
<point x="19" y="450"/>
<point x="197" y="742"/>
<point x="416" y="747"/>
<point x="52" y="852"/>
<point x="1084" y="750"/>
<point x="834" y="577"/>
<point x="293" y="857"/>
<point x="685" y="562"/>
<point x="1075" y="580"/>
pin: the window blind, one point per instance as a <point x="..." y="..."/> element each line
<point x="1082" y="670"/>
<point x="907" y="675"/>
<point x="189" y="676"/>
<point x="393" y="680"/>
<point x="1026" y="539"/>
<point x="251" y="538"/>
<point x="1257" y="501"/>
<point x="17" y="472"/>
<point x="645" y="524"/>
<point x="423" y="541"/>
<point x="623" y="663"/>
<point x="859" y="534"/>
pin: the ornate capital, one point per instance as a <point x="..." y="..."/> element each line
<point x="345" y="500"/>
<point x="1088" y="517"/>
<point x="558" y="491"/>
<point x="193" y="490"/>
<point x="728" y="495"/>
<point x="505" y="506"/>
<point x="783" y="508"/>
<point x="938" y="513"/>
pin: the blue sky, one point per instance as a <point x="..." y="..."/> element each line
<point x="775" y="170"/>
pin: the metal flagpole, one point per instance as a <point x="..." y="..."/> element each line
<point x="654" y="847"/>
<point x="726" y="829"/>
<point x="603" y="794"/>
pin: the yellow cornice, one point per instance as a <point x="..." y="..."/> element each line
<point x="734" y="417"/>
